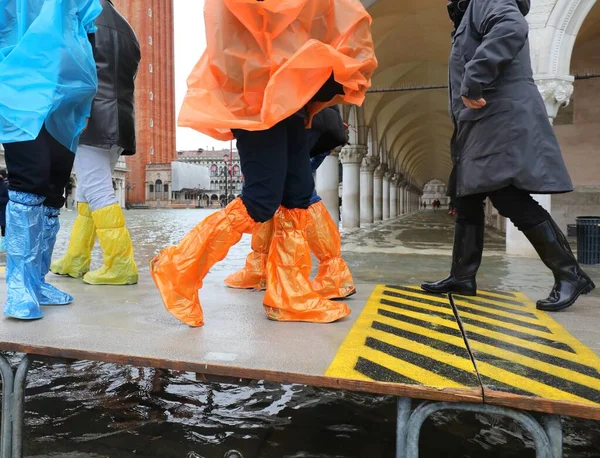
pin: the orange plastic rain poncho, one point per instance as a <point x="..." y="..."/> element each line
<point x="265" y="60"/>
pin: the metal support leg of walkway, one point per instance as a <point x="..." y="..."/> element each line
<point x="547" y="437"/>
<point x="13" y="407"/>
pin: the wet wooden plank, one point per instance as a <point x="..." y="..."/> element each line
<point x="525" y="359"/>
<point x="128" y="325"/>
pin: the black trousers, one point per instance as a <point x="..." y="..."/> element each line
<point x="513" y="203"/>
<point x="41" y="166"/>
<point x="276" y="167"/>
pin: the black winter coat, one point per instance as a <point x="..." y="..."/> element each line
<point x="117" y="55"/>
<point x="510" y="141"/>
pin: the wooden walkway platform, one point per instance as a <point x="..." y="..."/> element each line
<point x="492" y="350"/>
<point x="398" y="341"/>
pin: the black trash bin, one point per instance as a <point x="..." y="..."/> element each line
<point x="588" y="240"/>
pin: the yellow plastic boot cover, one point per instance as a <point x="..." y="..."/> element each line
<point x="289" y="295"/>
<point x="76" y="262"/>
<point x="254" y="273"/>
<point x="333" y="280"/>
<point x="119" y="266"/>
<point x="178" y="271"/>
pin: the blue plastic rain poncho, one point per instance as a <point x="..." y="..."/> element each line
<point x="47" y="68"/>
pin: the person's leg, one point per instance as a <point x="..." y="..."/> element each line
<point x="254" y="273"/>
<point x="333" y="280"/>
<point x="119" y="267"/>
<point x="28" y="165"/>
<point x="549" y="242"/>
<point x="290" y="295"/>
<point x="467" y="250"/>
<point x="76" y="261"/>
<point x="264" y="176"/>
<point x="178" y="271"/>
<point x="61" y="165"/>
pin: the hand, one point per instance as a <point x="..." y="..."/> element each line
<point x="474" y="104"/>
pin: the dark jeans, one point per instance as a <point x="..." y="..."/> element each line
<point x="276" y="167"/>
<point x="41" y="167"/>
<point x="513" y="203"/>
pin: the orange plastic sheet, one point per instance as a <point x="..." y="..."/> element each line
<point x="333" y="280"/>
<point x="178" y="271"/>
<point x="266" y="60"/>
<point x="289" y="295"/>
<point x="254" y="273"/>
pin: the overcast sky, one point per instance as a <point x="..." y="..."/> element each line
<point x="189" y="45"/>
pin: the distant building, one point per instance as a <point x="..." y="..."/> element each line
<point x="177" y="185"/>
<point x="435" y="190"/>
<point x="225" y="172"/>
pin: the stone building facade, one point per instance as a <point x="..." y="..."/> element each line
<point x="435" y="190"/>
<point x="225" y="172"/>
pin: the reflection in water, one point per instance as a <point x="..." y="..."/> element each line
<point x="93" y="410"/>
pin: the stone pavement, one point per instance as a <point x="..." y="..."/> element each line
<point x="418" y="247"/>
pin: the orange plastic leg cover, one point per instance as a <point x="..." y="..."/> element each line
<point x="289" y="295"/>
<point x="333" y="280"/>
<point x="178" y="271"/>
<point x="254" y="273"/>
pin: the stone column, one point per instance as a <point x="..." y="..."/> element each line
<point x="393" y="197"/>
<point x="351" y="158"/>
<point x="367" y="169"/>
<point x="378" y="192"/>
<point x="401" y="204"/>
<point x="328" y="186"/>
<point x="386" y="196"/>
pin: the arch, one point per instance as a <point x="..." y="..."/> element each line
<point x="565" y="20"/>
<point x="158" y="186"/>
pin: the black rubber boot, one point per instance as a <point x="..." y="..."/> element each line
<point x="554" y="251"/>
<point x="466" y="259"/>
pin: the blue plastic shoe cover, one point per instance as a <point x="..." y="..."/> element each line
<point x="23" y="255"/>
<point x="48" y="294"/>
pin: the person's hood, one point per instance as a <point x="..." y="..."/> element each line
<point x="524" y="6"/>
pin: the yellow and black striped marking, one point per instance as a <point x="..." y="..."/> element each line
<point x="497" y="343"/>
<point x="520" y="350"/>
<point x="408" y="337"/>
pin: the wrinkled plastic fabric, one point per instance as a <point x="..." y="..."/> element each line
<point x="24" y="227"/>
<point x="178" y="271"/>
<point x="76" y="261"/>
<point x="47" y="68"/>
<point x="333" y="280"/>
<point x="119" y="266"/>
<point x="2" y="244"/>
<point x="289" y="295"/>
<point x="48" y="294"/>
<point x="266" y="60"/>
<point x="254" y="273"/>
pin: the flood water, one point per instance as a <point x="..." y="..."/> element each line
<point x="81" y="409"/>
